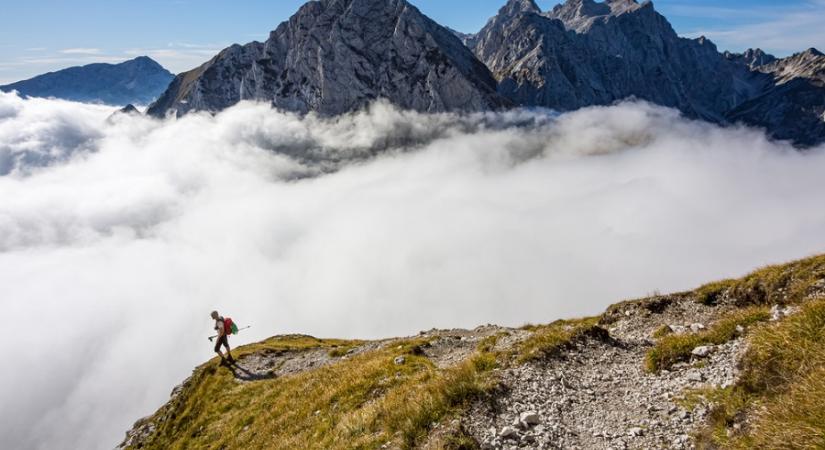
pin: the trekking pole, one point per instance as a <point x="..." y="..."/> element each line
<point x="239" y="329"/>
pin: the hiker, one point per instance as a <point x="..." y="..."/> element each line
<point x="222" y="338"/>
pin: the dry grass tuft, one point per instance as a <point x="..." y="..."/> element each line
<point x="675" y="348"/>
<point x="781" y="389"/>
<point x="547" y="340"/>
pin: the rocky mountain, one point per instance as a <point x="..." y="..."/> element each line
<point x="732" y="364"/>
<point x="752" y="58"/>
<point x="139" y="81"/>
<point x="793" y="106"/>
<point x="334" y="56"/>
<point x="585" y="53"/>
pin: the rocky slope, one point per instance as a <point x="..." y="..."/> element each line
<point x="670" y="371"/>
<point x="138" y="81"/>
<point x="752" y="58"/>
<point x="335" y="56"/>
<point x="793" y="106"/>
<point x="583" y="53"/>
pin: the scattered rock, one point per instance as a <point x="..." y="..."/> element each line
<point x="635" y="431"/>
<point x="695" y="377"/>
<point x="678" y="329"/>
<point x="400" y="360"/>
<point x="703" y="351"/>
<point x="508" y="433"/>
<point x="697" y="327"/>
<point x="529" y="418"/>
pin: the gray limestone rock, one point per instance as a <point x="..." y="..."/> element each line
<point x="793" y="108"/>
<point x="335" y="56"/>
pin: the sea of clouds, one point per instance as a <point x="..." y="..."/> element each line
<point x="119" y="234"/>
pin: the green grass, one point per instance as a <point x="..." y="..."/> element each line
<point x="710" y="293"/>
<point x="781" y="389"/>
<point x="675" y="348"/>
<point x="547" y="340"/>
<point x="777" y="284"/>
<point x="662" y="331"/>
<point x="361" y="402"/>
<point x="339" y="351"/>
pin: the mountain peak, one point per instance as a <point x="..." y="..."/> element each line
<point x="139" y="80"/>
<point x="336" y="56"/>
<point x="752" y="57"/>
<point x="579" y="15"/>
<point x="144" y="62"/>
<point x="813" y="52"/>
<point x="513" y="7"/>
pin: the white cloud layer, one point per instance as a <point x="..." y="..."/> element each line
<point x="119" y="236"/>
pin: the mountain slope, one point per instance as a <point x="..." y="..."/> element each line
<point x="335" y="56"/>
<point x="752" y="58"/>
<point x="718" y="364"/>
<point x="586" y="53"/>
<point x="138" y="81"/>
<point x="794" y="107"/>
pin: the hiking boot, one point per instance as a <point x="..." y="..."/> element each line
<point x="231" y="360"/>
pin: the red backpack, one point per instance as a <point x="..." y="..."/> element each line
<point x="229" y="326"/>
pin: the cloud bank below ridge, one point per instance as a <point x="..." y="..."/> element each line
<point x="119" y="235"/>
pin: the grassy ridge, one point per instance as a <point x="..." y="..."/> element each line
<point x="547" y="340"/>
<point x="362" y="402"/>
<point x="773" y="285"/>
<point x="367" y="401"/>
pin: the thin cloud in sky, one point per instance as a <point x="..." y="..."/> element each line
<point x="81" y="51"/>
<point x="175" y="56"/>
<point x="179" y="56"/>
<point x="779" y="29"/>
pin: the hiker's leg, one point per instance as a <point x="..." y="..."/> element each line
<point x="228" y="350"/>
<point x="218" y="346"/>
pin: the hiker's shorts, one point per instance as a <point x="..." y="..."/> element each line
<point x="221" y="341"/>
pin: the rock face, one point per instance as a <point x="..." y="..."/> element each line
<point x="584" y="53"/>
<point x="793" y="107"/>
<point x="334" y="56"/>
<point x="587" y="53"/>
<point x="752" y="58"/>
<point x="138" y="81"/>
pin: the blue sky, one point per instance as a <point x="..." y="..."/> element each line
<point x="41" y="35"/>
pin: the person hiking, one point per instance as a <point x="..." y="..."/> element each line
<point x="222" y="338"/>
